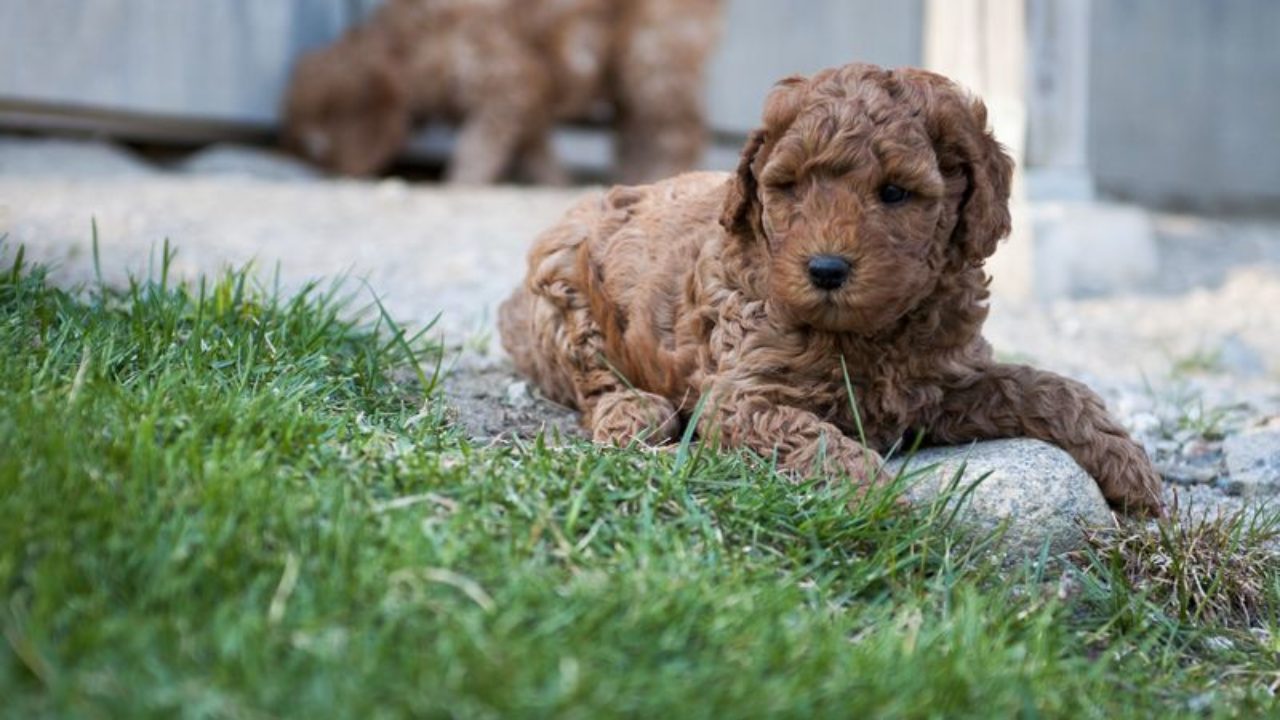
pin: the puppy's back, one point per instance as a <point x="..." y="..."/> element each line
<point x="620" y="263"/>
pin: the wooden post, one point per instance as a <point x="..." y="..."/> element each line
<point x="1029" y="60"/>
<point x="982" y="44"/>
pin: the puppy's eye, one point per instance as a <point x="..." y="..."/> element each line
<point x="893" y="195"/>
<point x="786" y="188"/>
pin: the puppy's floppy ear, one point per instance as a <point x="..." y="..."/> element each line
<point x="984" y="214"/>
<point x="958" y="125"/>
<point x="741" y="212"/>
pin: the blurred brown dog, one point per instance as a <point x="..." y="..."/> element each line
<point x="848" y="247"/>
<point x="505" y="71"/>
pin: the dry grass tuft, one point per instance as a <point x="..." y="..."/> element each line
<point x="1217" y="570"/>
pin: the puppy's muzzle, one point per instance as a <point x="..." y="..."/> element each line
<point x="828" y="272"/>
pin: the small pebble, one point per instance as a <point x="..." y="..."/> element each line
<point x="1187" y="474"/>
<point x="518" y="396"/>
<point x="1144" y="423"/>
<point x="1200" y="448"/>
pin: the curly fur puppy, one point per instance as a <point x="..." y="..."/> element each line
<point x="853" y="235"/>
<point x="505" y="71"/>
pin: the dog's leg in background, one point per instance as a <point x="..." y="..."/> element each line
<point x="802" y="442"/>
<point x="536" y="162"/>
<point x="488" y="140"/>
<point x="1015" y="400"/>
<point x="658" y="140"/>
<point x="510" y="109"/>
<point x="661" y="69"/>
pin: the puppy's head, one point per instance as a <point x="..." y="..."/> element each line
<point x="864" y="186"/>
<point x="346" y="109"/>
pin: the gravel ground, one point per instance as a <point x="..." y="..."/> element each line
<point x="1186" y="360"/>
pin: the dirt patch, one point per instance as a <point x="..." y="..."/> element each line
<point x="491" y="403"/>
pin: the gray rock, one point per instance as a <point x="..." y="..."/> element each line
<point x="1238" y="357"/>
<point x="1186" y="473"/>
<point x="1037" y="488"/>
<point x="1196" y="461"/>
<point x="1253" y="463"/>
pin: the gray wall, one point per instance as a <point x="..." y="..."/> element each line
<point x="209" y="59"/>
<point x="1186" y="102"/>
<point x="765" y="40"/>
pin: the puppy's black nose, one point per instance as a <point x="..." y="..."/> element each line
<point x="828" y="272"/>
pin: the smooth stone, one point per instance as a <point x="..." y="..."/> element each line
<point x="1035" y="487"/>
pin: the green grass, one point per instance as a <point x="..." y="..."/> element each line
<point x="1199" y="361"/>
<point x="219" y="502"/>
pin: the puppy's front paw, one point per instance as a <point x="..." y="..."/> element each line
<point x="863" y="466"/>
<point x="1131" y="483"/>
<point x="621" y="417"/>
<point x="865" y="469"/>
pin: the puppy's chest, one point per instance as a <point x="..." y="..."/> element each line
<point x="886" y="402"/>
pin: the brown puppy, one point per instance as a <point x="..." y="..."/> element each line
<point x="505" y="71"/>
<point x="853" y="235"/>
<point x="347" y="106"/>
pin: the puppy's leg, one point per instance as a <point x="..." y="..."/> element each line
<point x="512" y="109"/>
<point x="661" y="124"/>
<point x="558" y="346"/>
<point x="624" y="415"/>
<point x="655" y="142"/>
<point x="487" y="141"/>
<point x="614" y="411"/>
<point x="550" y="332"/>
<point x="801" y="441"/>
<point x="1015" y="400"/>
<point x="537" y="163"/>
